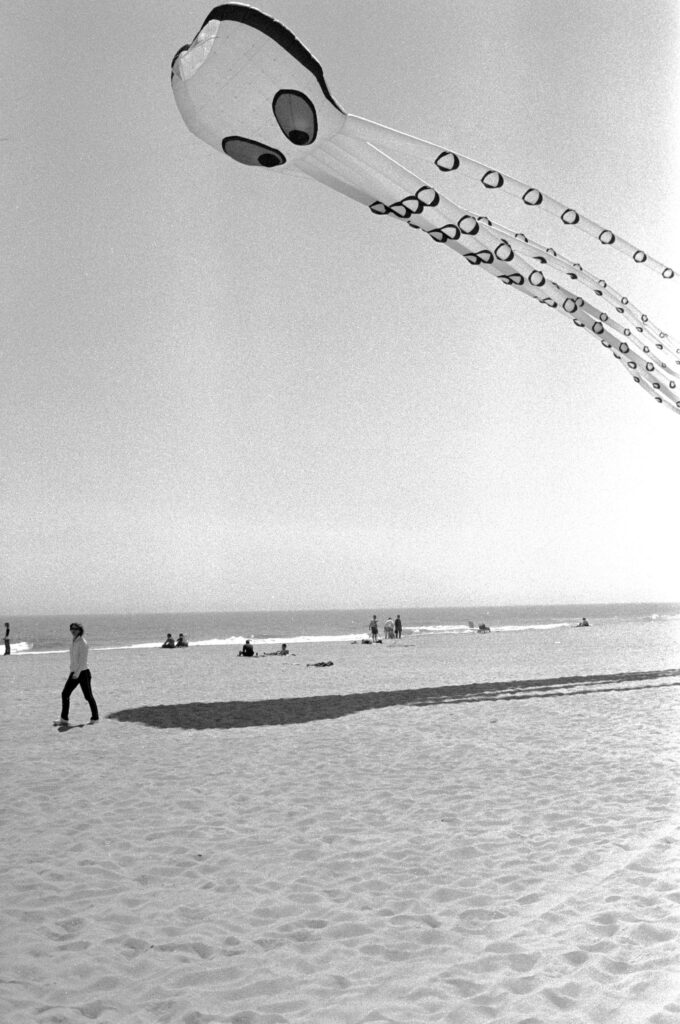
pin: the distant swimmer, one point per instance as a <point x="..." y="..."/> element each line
<point x="181" y="642"/>
<point x="583" y="622"/>
<point x="247" y="651"/>
<point x="168" y="642"/>
<point x="7" y="650"/>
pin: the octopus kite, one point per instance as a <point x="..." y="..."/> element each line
<point x="249" y="88"/>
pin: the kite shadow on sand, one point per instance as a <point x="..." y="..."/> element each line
<point x="242" y="714"/>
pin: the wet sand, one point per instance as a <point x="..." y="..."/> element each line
<point x="256" y="841"/>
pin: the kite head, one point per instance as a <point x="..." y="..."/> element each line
<point x="249" y="88"/>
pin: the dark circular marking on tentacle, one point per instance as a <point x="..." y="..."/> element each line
<point x="447" y="161"/>
<point x="631" y="365"/>
<point x="427" y="196"/>
<point x="667" y="273"/>
<point x="493" y="179"/>
<point x="607" y="237"/>
<point x="597" y="328"/>
<point x="379" y="208"/>
<point x="624" y="348"/>
<point x="536" y="278"/>
<point x="504" y="252"/>
<point x="481" y="256"/>
<point x="644" y="318"/>
<point x="468" y="224"/>
<point x="569" y="306"/>
<point x="522" y="238"/>
<point x="547" y="301"/>
<point x="532" y="197"/>
<point x="570" y="217"/>
<point x="649" y="367"/>
<point x="446" y="233"/>
<point x="516" y="279"/>
<point x="639" y="256"/>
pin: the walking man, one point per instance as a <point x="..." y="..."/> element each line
<point x="7" y="650"/>
<point x="79" y="677"/>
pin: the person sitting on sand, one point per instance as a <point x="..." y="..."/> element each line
<point x="181" y="642"/>
<point x="169" y="642"/>
<point x="483" y="628"/>
<point x="247" y="651"/>
<point x="583" y="622"/>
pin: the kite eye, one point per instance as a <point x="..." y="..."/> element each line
<point x="246" y="151"/>
<point x="296" y="117"/>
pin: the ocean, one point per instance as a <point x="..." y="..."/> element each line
<point x="537" y="640"/>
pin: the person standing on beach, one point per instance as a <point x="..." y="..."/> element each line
<point x="373" y="628"/>
<point x="79" y="676"/>
<point x="397" y="627"/>
<point x="7" y="650"/>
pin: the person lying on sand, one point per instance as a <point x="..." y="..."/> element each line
<point x="272" y="654"/>
<point x="319" y="664"/>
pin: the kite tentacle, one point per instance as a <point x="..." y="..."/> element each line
<point x="446" y="161"/>
<point x="576" y="272"/>
<point x="366" y="168"/>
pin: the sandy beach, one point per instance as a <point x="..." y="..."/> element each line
<point x="256" y="841"/>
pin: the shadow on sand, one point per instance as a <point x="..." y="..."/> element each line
<point x="244" y="714"/>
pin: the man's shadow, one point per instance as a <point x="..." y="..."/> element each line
<point x="245" y="714"/>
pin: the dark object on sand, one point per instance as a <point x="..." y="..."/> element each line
<point x="319" y="664"/>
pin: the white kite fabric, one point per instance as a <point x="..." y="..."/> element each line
<point x="249" y="88"/>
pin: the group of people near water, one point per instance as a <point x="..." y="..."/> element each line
<point x="181" y="641"/>
<point x="391" y="629"/>
<point x="248" y="651"/>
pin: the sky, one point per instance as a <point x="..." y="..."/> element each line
<point x="227" y="390"/>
